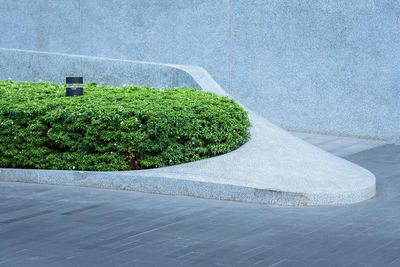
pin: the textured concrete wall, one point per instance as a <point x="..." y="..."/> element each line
<point x="318" y="65"/>
<point x="311" y="65"/>
<point x="25" y="65"/>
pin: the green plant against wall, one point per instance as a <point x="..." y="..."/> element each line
<point x="114" y="128"/>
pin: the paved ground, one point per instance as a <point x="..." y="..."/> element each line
<point x="42" y="225"/>
<point x="338" y="145"/>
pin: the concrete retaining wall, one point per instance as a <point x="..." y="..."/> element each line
<point x="308" y="65"/>
<point x="267" y="169"/>
<point x="25" y="65"/>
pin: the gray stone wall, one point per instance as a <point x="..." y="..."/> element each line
<point x="311" y="65"/>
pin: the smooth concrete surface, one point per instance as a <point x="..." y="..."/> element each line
<point x="307" y="65"/>
<point x="274" y="167"/>
<point x="44" y="225"/>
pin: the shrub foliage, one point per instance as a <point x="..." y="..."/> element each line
<point x="114" y="128"/>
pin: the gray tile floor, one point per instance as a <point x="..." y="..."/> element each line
<point x="43" y="225"/>
<point x="339" y="145"/>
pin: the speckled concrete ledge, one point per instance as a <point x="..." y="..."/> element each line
<point x="274" y="167"/>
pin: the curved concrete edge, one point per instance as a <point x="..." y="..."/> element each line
<point x="24" y="65"/>
<point x="282" y="169"/>
<point x="131" y="181"/>
<point x="305" y="196"/>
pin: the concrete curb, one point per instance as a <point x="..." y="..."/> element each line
<point x="135" y="181"/>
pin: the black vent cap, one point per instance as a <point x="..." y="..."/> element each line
<point x="74" y="80"/>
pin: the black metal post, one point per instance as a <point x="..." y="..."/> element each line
<point x="74" y="86"/>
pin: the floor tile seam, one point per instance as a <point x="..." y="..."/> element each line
<point x="27" y="217"/>
<point x="310" y="140"/>
<point x="342" y="146"/>
<point x="351" y="147"/>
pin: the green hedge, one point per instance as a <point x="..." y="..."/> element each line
<point x="114" y="128"/>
